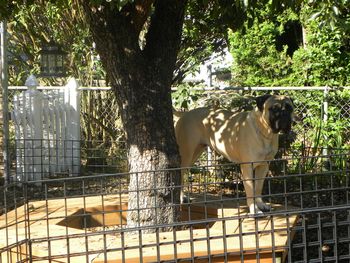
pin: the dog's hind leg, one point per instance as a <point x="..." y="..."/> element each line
<point x="197" y="152"/>
<point x="186" y="161"/>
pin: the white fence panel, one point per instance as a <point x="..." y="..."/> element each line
<point x="47" y="131"/>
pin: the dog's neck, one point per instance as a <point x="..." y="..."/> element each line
<point x="262" y="126"/>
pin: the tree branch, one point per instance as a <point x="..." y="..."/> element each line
<point x="164" y="35"/>
<point x="141" y="11"/>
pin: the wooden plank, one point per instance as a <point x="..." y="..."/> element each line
<point x="247" y="258"/>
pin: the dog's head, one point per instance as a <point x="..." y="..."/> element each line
<point x="277" y="111"/>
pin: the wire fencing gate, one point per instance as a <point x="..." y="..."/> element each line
<point x="84" y="218"/>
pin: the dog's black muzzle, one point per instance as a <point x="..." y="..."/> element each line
<point x="281" y="121"/>
<point x="285" y="123"/>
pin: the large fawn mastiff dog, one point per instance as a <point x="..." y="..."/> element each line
<point x="243" y="137"/>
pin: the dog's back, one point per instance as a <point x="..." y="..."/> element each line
<point x="196" y="129"/>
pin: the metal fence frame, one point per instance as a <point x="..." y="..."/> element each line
<point x="80" y="219"/>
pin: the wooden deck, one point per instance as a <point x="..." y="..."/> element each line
<point x="50" y="219"/>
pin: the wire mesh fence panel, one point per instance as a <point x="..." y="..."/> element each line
<point x="85" y="219"/>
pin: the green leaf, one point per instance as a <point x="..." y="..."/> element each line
<point x="336" y="10"/>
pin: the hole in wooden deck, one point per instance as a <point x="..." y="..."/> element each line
<point x="116" y="215"/>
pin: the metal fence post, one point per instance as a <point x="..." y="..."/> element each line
<point x="4" y="86"/>
<point x="209" y="79"/>
<point x="209" y="83"/>
<point x="325" y="116"/>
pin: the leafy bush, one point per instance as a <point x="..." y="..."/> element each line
<point x="261" y="59"/>
<point x="322" y="62"/>
<point x="256" y="59"/>
<point x="185" y="96"/>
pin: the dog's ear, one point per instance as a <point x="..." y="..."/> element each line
<point x="261" y="100"/>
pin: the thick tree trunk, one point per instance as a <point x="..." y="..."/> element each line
<point x="141" y="79"/>
<point x="152" y="150"/>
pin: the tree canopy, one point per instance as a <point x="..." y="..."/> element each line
<point x="205" y="30"/>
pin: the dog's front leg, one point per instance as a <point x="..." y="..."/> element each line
<point x="183" y="198"/>
<point x="260" y="174"/>
<point x="182" y="194"/>
<point x="250" y="188"/>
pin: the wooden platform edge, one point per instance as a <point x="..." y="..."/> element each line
<point x="198" y="249"/>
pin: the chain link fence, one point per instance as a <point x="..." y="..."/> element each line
<point x="316" y="109"/>
<point x="322" y="120"/>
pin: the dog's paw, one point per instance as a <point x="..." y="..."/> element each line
<point x="185" y="200"/>
<point x="264" y="207"/>
<point x="259" y="208"/>
<point x="254" y="210"/>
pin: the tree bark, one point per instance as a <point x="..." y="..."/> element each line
<point x="141" y="80"/>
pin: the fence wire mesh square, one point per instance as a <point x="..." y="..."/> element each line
<point x="85" y="219"/>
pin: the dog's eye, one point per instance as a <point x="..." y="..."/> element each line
<point x="288" y="107"/>
<point x="275" y="108"/>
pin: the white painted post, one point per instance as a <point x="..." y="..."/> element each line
<point x="25" y="130"/>
<point x="34" y="100"/>
<point x="67" y="151"/>
<point x="72" y="100"/>
<point x="63" y="118"/>
<point x="53" y="140"/>
<point x="17" y="117"/>
<point x="46" y="137"/>
<point x="59" y="137"/>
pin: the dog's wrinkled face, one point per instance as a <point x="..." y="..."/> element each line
<point x="278" y="111"/>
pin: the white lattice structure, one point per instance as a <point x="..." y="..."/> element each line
<point x="47" y="131"/>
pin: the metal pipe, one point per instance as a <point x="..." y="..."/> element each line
<point x="325" y="116"/>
